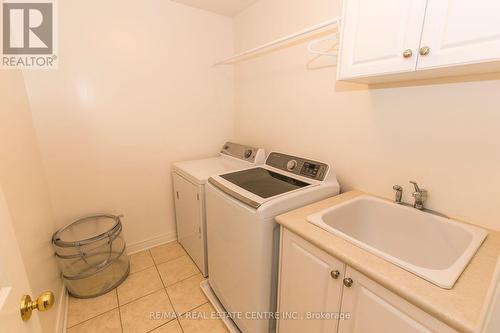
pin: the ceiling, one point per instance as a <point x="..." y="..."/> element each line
<point x="224" y="7"/>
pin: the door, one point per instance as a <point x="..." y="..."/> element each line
<point x="189" y="220"/>
<point x="380" y="37"/>
<point x="374" y="309"/>
<point x="310" y="285"/>
<point x="13" y="279"/>
<point x="460" y="32"/>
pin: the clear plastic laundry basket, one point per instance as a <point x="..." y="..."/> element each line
<point x="91" y="255"/>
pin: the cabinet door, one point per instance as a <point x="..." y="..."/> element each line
<point x="375" y="309"/>
<point x="460" y="32"/>
<point x="188" y="218"/>
<point x="307" y="286"/>
<point x="375" y="35"/>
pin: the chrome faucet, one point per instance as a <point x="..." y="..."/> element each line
<point x="420" y="196"/>
<point x="398" y="195"/>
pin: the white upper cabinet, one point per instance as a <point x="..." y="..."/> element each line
<point x="390" y="40"/>
<point x="460" y="32"/>
<point x="380" y="37"/>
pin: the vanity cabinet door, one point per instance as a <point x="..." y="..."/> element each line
<point x="380" y="37"/>
<point x="459" y="32"/>
<point x="310" y="283"/>
<point x="374" y="309"/>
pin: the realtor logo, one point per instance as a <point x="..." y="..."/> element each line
<point x="28" y="34"/>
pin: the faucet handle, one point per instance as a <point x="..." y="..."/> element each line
<point x="399" y="193"/>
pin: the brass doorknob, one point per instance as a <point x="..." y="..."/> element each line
<point x="43" y="303"/>
<point x="407" y="53"/>
<point x="424" y="50"/>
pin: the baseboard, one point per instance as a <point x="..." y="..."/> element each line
<point x="62" y="313"/>
<point x="152" y="242"/>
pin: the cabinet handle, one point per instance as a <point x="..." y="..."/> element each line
<point x="424" y="50"/>
<point x="407" y="53"/>
<point x="177" y="194"/>
<point x="348" y="282"/>
<point x="335" y="274"/>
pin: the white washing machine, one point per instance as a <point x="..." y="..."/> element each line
<point x="189" y="180"/>
<point x="243" y="236"/>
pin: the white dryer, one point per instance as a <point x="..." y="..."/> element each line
<point x="189" y="178"/>
<point x="243" y="236"/>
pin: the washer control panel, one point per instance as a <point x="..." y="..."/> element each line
<point x="297" y="165"/>
<point x="310" y="169"/>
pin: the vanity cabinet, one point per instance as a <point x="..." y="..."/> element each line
<point x="388" y="40"/>
<point x="307" y="286"/>
<point x="374" y="309"/>
<point x="311" y="281"/>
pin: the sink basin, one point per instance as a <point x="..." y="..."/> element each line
<point x="435" y="248"/>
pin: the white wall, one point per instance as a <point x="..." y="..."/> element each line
<point x="134" y="92"/>
<point x="25" y="189"/>
<point x="444" y="134"/>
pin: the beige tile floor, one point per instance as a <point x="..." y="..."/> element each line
<point x="162" y="280"/>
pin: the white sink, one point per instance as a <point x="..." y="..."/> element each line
<point x="433" y="247"/>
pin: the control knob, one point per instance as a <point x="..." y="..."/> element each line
<point x="248" y="153"/>
<point x="292" y="164"/>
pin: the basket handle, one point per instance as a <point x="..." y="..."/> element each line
<point x="102" y="264"/>
<point x="82" y="255"/>
<point x="110" y="243"/>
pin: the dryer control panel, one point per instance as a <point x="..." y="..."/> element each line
<point x="299" y="166"/>
<point x="245" y="153"/>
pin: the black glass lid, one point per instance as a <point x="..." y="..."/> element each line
<point x="263" y="182"/>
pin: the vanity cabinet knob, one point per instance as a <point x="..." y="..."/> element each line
<point x="335" y="274"/>
<point x="407" y="53"/>
<point x="348" y="282"/>
<point x="424" y="50"/>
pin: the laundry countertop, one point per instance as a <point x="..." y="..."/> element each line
<point x="459" y="307"/>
